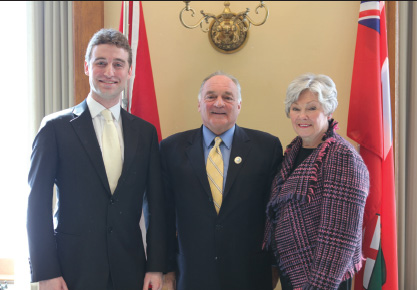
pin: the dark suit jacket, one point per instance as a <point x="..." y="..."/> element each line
<point x="219" y="251"/>
<point x="96" y="233"/>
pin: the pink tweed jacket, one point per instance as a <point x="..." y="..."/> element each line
<point x="315" y="213"/>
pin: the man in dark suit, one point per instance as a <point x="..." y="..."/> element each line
<point x="96" y="242"/>
<point x="216" y="243"/>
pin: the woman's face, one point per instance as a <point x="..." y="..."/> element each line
<point x="308" y="119"/>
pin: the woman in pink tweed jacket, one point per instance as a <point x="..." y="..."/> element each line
<point x="315" y="212"/>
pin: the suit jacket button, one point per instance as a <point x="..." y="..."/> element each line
<point x="219" y="227"/>
<point x="109" y="230"/>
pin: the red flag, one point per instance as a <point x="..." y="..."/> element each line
<point x="369" y="124"/>
<point x="141" y="89"/>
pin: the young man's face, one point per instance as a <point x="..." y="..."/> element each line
<point x="108" y="72"/>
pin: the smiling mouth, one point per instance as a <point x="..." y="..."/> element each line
<point x="108" y="82"/>
<point x="304" y="125"/>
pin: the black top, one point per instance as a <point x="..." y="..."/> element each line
<point x="302" y="155"/>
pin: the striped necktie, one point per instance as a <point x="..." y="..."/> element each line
<point x="112" y="155"/>
<point x="214" y="169"/>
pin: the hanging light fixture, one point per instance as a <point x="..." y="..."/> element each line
<point x="228" y="32"/>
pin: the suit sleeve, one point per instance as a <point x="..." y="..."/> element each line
<point x="277" y="160"/>
<point x="170" y="212"/>
<point x="43" y="168"/>
<point x="276" y="165"/>
<point x="156" y="231"/>
<point x="345" y="189"/>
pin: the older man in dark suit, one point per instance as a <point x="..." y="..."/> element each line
<point x="102" y="160"/>
<point x="218" y="180"/>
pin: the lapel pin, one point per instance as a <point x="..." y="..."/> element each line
<point x="238" y="160"/>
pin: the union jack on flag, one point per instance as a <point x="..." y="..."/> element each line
<point x="369" y="14"/>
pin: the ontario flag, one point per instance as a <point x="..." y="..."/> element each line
<point x="370" y="125"/>
<point x="140" y="89"/>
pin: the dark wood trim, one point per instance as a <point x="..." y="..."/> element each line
<point x="88" y="18"/>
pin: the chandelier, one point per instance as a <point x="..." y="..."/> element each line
<point x="228" y="32"/>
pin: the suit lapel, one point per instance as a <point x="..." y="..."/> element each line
<point x="240" y="148"/>
<point x="83" y="127"/>
<point x="131" y="140"/>
<point x="195" y="155"/>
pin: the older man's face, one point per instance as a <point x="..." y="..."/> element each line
<point x="219" y="105"/>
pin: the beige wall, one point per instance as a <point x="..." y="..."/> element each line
<point x="298" y="37"/>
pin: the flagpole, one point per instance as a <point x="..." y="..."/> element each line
<point x="125" y="97"/>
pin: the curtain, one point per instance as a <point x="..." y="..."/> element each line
<point x="51" y="65"/>
<point x="406" y="140"/>
<point x="50" y="62"/>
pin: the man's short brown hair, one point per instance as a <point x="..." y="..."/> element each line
<point x="109" y="36"/>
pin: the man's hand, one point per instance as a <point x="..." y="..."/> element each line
<point x="53" y="284"/>
<point x="153" y="280"/>
<point x="169" y="281"/>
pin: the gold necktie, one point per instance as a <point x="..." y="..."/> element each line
<point x="214" y="169"/>
<point x="112" y="155"/>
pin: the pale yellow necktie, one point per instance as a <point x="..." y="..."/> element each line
<point x="112" y="156"/>
<point x="214" y="169"/>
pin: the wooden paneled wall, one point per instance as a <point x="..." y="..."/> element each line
<point x="88" y="18"/>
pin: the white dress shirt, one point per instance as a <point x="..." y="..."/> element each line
<point x="98" y="121"/>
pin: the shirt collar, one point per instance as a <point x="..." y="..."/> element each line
<point x="96" y="108"/>
<point x="227" y="137"/>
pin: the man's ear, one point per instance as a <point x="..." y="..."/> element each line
<point x="86" y="68"/>
<point x="129" y="74"/>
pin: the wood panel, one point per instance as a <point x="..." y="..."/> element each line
<point x="392" y="39"/>
<point x="88" y="18"/>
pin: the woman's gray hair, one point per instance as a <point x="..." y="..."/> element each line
<point x="222" y="73"/>
<point x="321" y="85"/>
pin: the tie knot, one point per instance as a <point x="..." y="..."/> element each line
<point x="217" y="141"/>
<point x="107" y="115"/>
